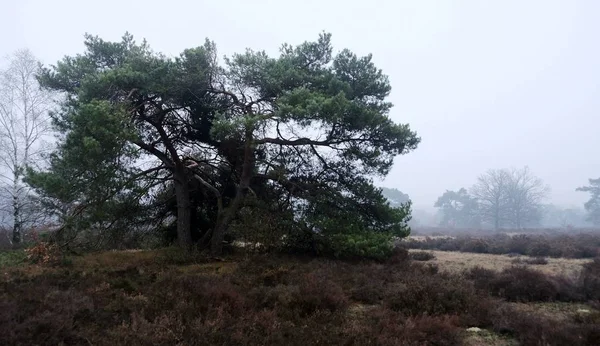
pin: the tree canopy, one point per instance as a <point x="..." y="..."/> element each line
<point x="592" y="206"/>
<point x="459" y="209"/>
<point x="510" y="197"/>
<point x="301" y="135"/>
<point x="396" y="197"/>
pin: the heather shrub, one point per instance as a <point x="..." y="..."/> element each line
<point x="399" y="256"/>
<point x="318" y="293"/>
<point x="581" y="245"/>
<point x="590" y="279"/>
<point x="367" y="285"/>
<point x="209" y="295"/>
<point x="540" y="248"/>
<point x="430" y="294"/>
<point x="533" y="330"/>
<point x="521" y="284"/>
<point x="481" y="277"/>
<point x="475" y="245"/>
<point x="269" y="300"/>
<point x="306" y="295"/>
<point x="396" y="329"/>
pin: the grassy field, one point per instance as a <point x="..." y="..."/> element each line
<point x="459" y="261"/>
<point x="164" y="297"/>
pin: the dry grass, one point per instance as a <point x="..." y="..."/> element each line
<point x="425" y="237"/>
<point x="488" y="338"/>
<point x="456" y="262"/>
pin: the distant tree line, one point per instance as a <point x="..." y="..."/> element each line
<point x="515" y="199"/>
<point x="501" y="198"/>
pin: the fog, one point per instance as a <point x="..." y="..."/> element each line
<point x="485" y="85"/>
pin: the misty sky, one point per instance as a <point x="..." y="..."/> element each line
<point x="486" y="84"/>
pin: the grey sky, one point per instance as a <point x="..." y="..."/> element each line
<point x="486" y="84"/>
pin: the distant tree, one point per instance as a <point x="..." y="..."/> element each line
<point x="459" y="209"/>
<point x="556" y="216"/>
<point x="491" y="193"/>
<point x="395" y="196"/>
<point x="525" y="194"/>
<point x="592" y="206"/>
<point x="510" y="197"/>
<point x="24" y="123"/>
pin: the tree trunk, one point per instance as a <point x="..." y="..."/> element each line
<point x="184" y="212"/>
<point x="16" y="221"/>
<point x="223" y="221"/>
<point x="496" y="219"/>
<point x="16" y="208"/>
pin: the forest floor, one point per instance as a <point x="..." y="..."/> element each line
<point x="164" y="297"/>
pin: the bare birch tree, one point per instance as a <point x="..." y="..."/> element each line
<point x="24" y="125"/>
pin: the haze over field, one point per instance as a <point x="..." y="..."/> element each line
<point x="485" y="85"/>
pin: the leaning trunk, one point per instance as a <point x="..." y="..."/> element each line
<point x="223" y="221"/>
<point x="184" y="212"/>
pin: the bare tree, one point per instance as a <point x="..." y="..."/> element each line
<point x="510" y="197"/>
<point x="491" y="193"/>
<point x="23" y="127"/>
<point x="525" y="194"/>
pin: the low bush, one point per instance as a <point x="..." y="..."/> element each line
<point x="516" y="283"/>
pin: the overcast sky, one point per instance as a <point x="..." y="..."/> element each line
<point x="486" y="84"/>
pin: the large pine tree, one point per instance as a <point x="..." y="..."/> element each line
<point x="304" y="132"/>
